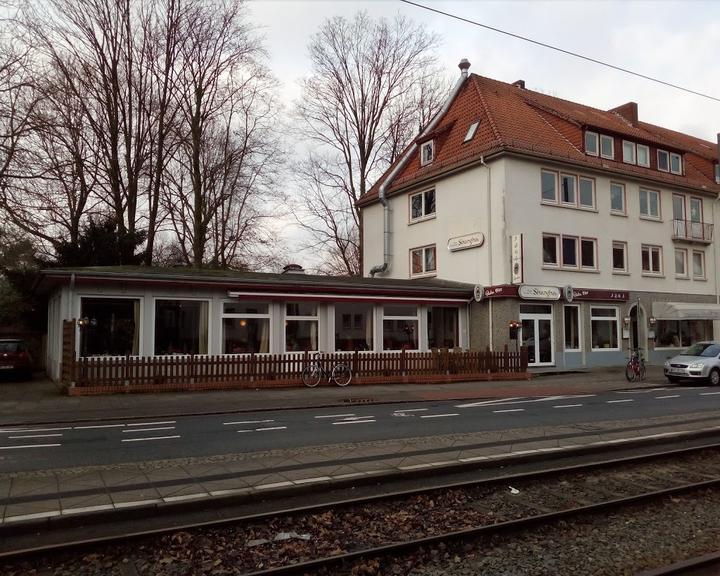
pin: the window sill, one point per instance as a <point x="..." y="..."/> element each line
<point x="650" y="218"/>
<point x="621" y="273"/>
<point x="423" y="219"/>
<point x="616" y="213"/>
<point x="699" y="279"/>
<point x="561" y="269"/>
<point x="651" y="275"/>
<point x="682" y="277"/>
<point x="568" y="206"/>
<point x="573" y="350"/>
<point x="426" y="275"/>
<point x="604" y="349"/>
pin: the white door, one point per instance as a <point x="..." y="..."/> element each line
<point x="536" y="333"/>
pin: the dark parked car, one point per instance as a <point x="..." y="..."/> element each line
<point x="15" y="358"/>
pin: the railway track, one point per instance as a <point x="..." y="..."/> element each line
<point x="332" y="538"/>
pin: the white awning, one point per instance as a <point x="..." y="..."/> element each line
<point x="685" y="311"/>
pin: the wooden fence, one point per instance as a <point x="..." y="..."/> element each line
<point x="166" y="373"/>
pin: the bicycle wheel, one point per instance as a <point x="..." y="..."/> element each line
<point x="341" y="374"/>
<point x="630" y="372"/>
<point x="311" y="375"/>
<point x="643" y="371"/>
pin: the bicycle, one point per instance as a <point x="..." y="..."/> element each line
<point x="314" y="371"/>
<point x="635" y="369"/>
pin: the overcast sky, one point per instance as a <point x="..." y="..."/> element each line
<point x="678" y="42"/>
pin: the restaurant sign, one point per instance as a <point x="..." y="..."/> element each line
<point x="601" y="295"/>
<point x="474" y="240"/>
<point x="527" y="292"/>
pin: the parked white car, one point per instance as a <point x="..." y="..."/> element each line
<point x="700" y="361"/>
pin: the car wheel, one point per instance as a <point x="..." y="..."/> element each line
<point x="714" y="377"/>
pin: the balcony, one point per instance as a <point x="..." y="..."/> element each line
<point x="693" y="232"/>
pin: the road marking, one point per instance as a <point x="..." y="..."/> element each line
<point x="617" y="401"/>
<point x="272" y="428"/>
<point x="512" y="410"/>
<point x="34" y="436"/>
<point x="23" y="430"/>
<point x="153" y="423"/>
<point x="335" y="416"/>
<point x="28" y="446"/>
<point x="149" y="429"/>
<point x="149" y="438"/>
<point x="567" y="406"/>
<point x="708" y="393"/>
<point x="520" y="400"/>
<point x="488" y="402"/>
<point x="353" y="418"/>
<point x="98" y="426"/>
<point x="354" y="421"/>
<point x="414" y="410"/>
<point x="247" y="422"/>
<point x="245" y="430"/>
<point x="664" y="397"/>
<point x="439" y="415"/>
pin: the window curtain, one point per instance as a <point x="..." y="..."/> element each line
<point x="203" y="329"/>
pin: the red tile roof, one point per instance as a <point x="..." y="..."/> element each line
<point x="513" y="119"/>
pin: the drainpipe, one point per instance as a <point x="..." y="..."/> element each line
<point x="382" y="192"/>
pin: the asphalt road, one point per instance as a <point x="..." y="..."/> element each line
<point x="69" y="446"/>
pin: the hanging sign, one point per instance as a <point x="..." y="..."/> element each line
<point x="527" y="292"/>
<point x="474" y="240"/>
<point x="516" y="258"/>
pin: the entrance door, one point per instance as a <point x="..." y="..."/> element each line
<point x="536" y="333"/>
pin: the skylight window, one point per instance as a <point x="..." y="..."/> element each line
<point x="471" y="131"/>
<point x="427" y="153"/>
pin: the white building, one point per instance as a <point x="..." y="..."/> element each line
<point x="591" y="228"/>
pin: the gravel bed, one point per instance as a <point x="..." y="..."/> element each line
<point x="278" y="541"/>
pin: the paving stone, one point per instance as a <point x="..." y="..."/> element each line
<point x="33" y="486"/>
<point x="134" y="495"/>
<point x="32" y="508"/>
<point x="76" y="502"/>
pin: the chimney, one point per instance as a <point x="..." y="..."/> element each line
<point x="464" y="66"/>
<point x="519" y="84"/>
<point x="717" y="164"/>
<point x="628" y="111"/>
<point x="293" y="269"/>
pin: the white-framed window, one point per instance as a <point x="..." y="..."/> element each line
<point x="586" y="197"/>
<point x="643" y="155"/>
<point x="571" y="328"/>
<point x="568" y="189"/>
<point x="551" y="255"/>
<point x="181" y="326"/>
<point x="681" y="263"/>
<point x="682" y="333"/>
<point x="696" y="209"/>
<point x="354" y="326"/>
<point x="663" y="160"/>
<point x="246" y="327"/>
<point x="651" y="257"/>
<point x="591" y="143"/>
<point x="113" y="326"/>
<point x="301" y="326"/>
<point x="678" y="207"/>
<point x="617" y="198"/>
<point x="569" y="246"/>
<point x="619" y="257"/>
<point x="588" y="253"/>
<point x="400" y="327"/>
<point x="676" y="166"/>
<point x="548" y="184"/>
<point x="698" y="263"/>
<point x="607" y="147"/>
<point x="629" y="152"/>
<point x="443" y="326"/>
<point x="650" y="204"/>
<point x="471" y="131"/>
<point x="422" y="261"/>
<point x="605" y="327"/>
<point x="427" y="152"/>
<point x="422" y="205"/>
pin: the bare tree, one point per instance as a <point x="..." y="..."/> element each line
<point x="373" y="84"/>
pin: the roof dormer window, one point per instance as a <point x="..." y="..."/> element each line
<point x="471" y="131"/>
<point x="591" y="143"/>
<point x="607" y="147"/>
<point x="676" y="163"/>
<point x="427" y="152"/>
<point x="663" y="161"/>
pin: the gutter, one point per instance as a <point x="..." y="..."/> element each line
<point x="382" y="192"/>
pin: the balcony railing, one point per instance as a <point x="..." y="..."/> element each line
<point x="689" y="231"/>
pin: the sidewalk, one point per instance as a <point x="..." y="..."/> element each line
<point x="41" y="402"/>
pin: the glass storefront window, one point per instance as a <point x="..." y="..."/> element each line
<point x="181" y="327"/>
<point x="353" y="326"/>
<point x="113" y="327"/>
<point x="246" y="327"/>
<point x="604" y="328"/>
<point x="301" y="326"/>
<point x="443" y="330"/>
<point x="682" y="333"/>
<point x="572" y="327"/>
<point x="400" y="327"/>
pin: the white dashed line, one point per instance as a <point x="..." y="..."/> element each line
<point x="567" y="405"/>
<point x="414" y="410"/>
<point x="439" y="415"/>
<point x="272" y="428"/>
<point x="335" y="416"/>
<point x="709" y="393"/>
<point x="618" y="401"/>
<point x="34" y="436"/>
<point x="150" y="438"/>
<point x="153" y="423"/>
<point x="30" y="430"/>
<point x="245" y="430"/>
<point x="29" y="446"/>
<point x="149" y="429"/>
<point x="510" y="410"/>
<point x="354" y="422"/>
<point x="98" y="426"/>
<point x="665" y="397"/>
<point x="248" y="422"/>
